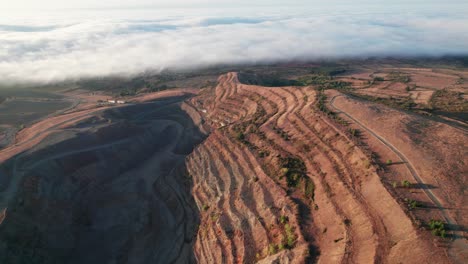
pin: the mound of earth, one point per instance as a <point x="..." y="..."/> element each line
<point x="111" y="188"/>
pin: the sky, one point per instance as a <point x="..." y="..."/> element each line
<point x="53" y="4"/>
<point x="155" y="3"/>
<point x="50" y="40"/>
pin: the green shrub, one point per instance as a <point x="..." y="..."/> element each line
<point x="353" y="132"/>
<point x="405" y="184"/>
<point x="281" y="246"/>
<point x="240" y="136"/>
<point x="378" y="79"/>
<point x="290" y="236"/>
<point x="437" y="228"/>
<point x="284" y="219"/>
<point x="412" y="204"/>
<point x="293" y="169"/>
<point x="399" y="77"/>
<point x="309" y="189"/>
<point x="272" y="249"/>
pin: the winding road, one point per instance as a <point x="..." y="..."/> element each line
<point x="403" y="159"/>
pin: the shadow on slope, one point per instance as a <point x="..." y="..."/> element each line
<point x="111" y="189"/>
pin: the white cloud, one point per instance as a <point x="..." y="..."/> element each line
<point x="100" y="44"/>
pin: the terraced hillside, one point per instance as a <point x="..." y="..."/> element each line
<point x="234" y="173"/>
<point x="277" y="180"/>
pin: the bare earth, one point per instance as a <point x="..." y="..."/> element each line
<point x="238" y="174"/>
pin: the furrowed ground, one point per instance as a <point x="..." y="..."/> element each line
<point x="277" y="179"/>
<point x="332" y="164"/>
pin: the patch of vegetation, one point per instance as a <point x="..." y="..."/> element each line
<point x="323" y="82"/>
<point x="260" y="116"/>
<point x="377" y="79"/>
<point x="128" y="92"/>
<point x="405" y="184"/>
<point x="205" y="207"/>
<point x="272" y="249"/>
<point x="293" y="169"/>
<point x="412" y="204"/>
<point x="437" y="228"/>
<point x="309" y="189"/>
<point x="258" y="256"/>
<point x="322" y="103"/>
<point x="281" y="246"/>
<point x="240" y="136"/>
<point x="405" y="103"/>
<point x="329" y="70"/>
<point x="448" y="101"/>
<point x="263" y="153"/>
<point x="284" y="219"/>
<point x="214" y="216"/>
<point x="399" y="77"/>
<point x="290" y="236"/>
<point x="320" y="80"/>
<point x="283" y="134"/>
<point x="340" y="120"/>
<point x="389" y="162"/>
<point x="354" y="132"/>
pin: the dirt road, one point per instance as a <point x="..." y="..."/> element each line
<point x="450" y="221"/>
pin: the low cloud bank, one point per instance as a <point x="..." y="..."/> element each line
<point x="51" y="51"/>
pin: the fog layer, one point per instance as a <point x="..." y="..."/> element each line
<point x="89" y="43"/>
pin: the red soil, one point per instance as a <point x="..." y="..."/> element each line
<point x="352" y="218"/>
<point x="275" y="181"/>
<point x="435" y="151"/>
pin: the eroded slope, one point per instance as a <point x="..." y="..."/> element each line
<point x="278" y="180"/>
